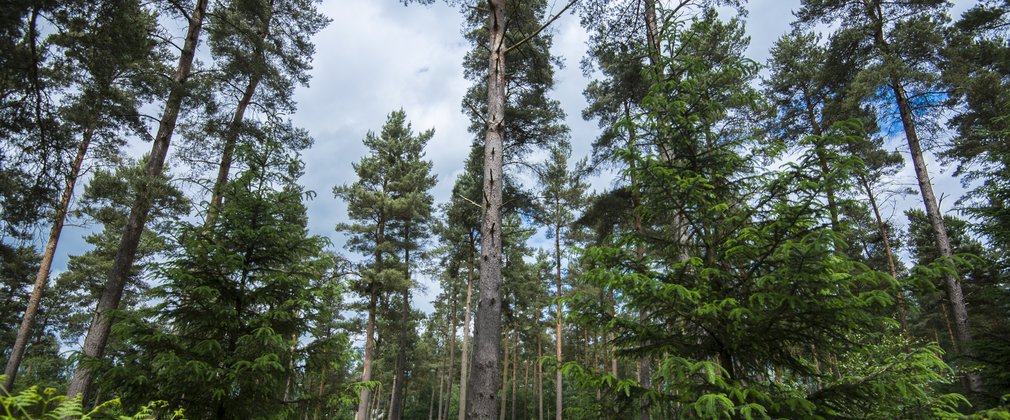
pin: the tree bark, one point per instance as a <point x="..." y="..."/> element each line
<point x="892" y="268"/>
<point x="319" y="394"/>
<point x="652" y="31"/>
<point x="366" y="370"/>
<point x="42" y="277"/>
<point x="505" y="379"/>
<point x="515" y="370"/>
<point x="374" y="406"/>
<point x="950" y="282"/>
<point x="612" y="337"/>
<point x="452" y="355"/>
<point x="558" y="385"/>
<point x="431" y="403"/>
<point x="540" y="380"/>
<point x="228" y="152"/>
<point x="441" y="384"/>
<point x="465" y="357"/>
<point x="389" y="404"/>
<point x="101" y="324"/>
<point x="396" y="396"/>
<point x="483" y="390"/>
<point x="973" y="382"/>
<point x="526" y="389"/>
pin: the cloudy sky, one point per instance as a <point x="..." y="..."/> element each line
<point x="378" y="56"/>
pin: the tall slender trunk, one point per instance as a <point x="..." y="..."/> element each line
<point x="232" y="132"/>
<point x="515" y="370"/>
<point x="610" y="349"/>
<point x="540" y="379"/>
<point x="505" y="379"/>
<point x="291" y="368"/>
<point x="389" y="404"/>
<point x="42" y="277"/>
<point x="465" y="358"/>
<point x="101" y="323"/>
<point x="596" y="353"/>
<point x="482" y="395"/>
<point x="366" y="371"/>
<point x="452" y="354"/>
<point x="526" y="389"/>
<point x="431" y="403"/>
<point x="945" y="308"/>
<point x="228" y="151"/>
<point x="558" y="385"/>
<point x="953" y="287"/>
<point x="972" y="381"/>
<point x="652" y="31"/>
<point x="319" y="394"/>
<point x="396" y="396"/>
<point x="374" y="406"/>
<point x="441" y="384"/>
<point x="888" y="253"/>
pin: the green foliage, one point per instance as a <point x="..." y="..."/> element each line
<point x="31" y="403"/>
<point x="386" y="192"/>
<point x="106" y="201"/>
<point x="532" y="119"/>
<point x="262" y="51"/>
<point x="224" y="334"/>
<point x="742" y="312"/>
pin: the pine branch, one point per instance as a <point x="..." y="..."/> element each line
<point x="542" y="27"/>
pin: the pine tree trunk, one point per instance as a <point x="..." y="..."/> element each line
<point x="951" y="283"/>
<point x="319" y="394"/>
<point x="465" y="358"/>
<point x="228" y="152"/>
<point x="945" y="308"/>
<point x="101" y="323"/>
<point x="431" y="403"/>
<point x="396" y="396"/>
<point x="374" y="406"/>
<point x="452" y="355"/>
<point x="389" y="404"/>
<point x="42" y="277"/>
<point x="652" y="31"/>
<point x="231" y="134"/>
<point x="888" y="253"/>
<point x="291" y="368"/>
<point x="505" y="379"/>
<point x="540" y="380"/>
<point x="366" y="371"/>
<point x="558" y="385"/>
<point x="441" y="384"/>
<point x="515" y="370"/>
<point x="482" y="394"/>
<point x="612" y="337"/>
<point x="526" y="389"/>
<point x="953" y="287"/>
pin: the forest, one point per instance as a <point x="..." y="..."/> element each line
<point x="743" y="261"/>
